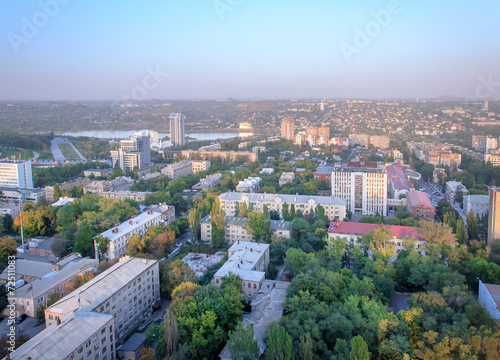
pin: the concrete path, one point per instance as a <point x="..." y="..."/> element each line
<point x="56" y="152"/>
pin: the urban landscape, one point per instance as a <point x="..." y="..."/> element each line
<point x="203" y="216"/>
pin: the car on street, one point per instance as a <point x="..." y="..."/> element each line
<point x="21" y="318"/>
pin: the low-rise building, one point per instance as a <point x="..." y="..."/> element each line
<point x="493" y="158"/>
<point x="67" y="185"/>
<point x="479" y="204"/>
<point x="17" y="195"/>
<point x="121" y="183"/>
<point x="335" y="208"/>
<point x="176" y="170"/>
<point x="250" y="185"/>
<point x="139" y="196"/>
<point x="420" y="206"/>
<point x="131" y="349"/>
<point x="266" y="171"/>
<point x="63" y="201"/>
<point x="9" y="207"/>
<point x="128" y="291"/>
<point x="451" y="190"/>
<point x="200" y="165"/>
<point x="98" y="173"/>
<point x="228" y="155"/>
<point x="27" y="270"/>
<point x="489" y="297"/>
<point x="258" y="149"/>
<point x="249" y="261"/>
<point x="200" y="263"/>
<point x="286" y="177"/>
<point x="324" y="173"/>
<point x="40" y="245"/>
<point x="399" y="185"/>
<point x="235" y="229"/>
<point x="208" y="182"/>
<point x="79" y="335"/>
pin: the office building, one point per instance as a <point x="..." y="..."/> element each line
<point x="494" y="215"/>
<point x="363" y="189"/>
<point x="128" y="291"/>
<point x="154" y="138"/>
<point x="177" y="136"/>
<point x="286" y="177"/>
<point x="16" y="174"/>
<point x="489" y="297"/>
<point x="118" y="236"/>
<point x="79" y="335"/>
<point x="235" y="229"/>
<point x="479" y="204"/>
<point x="132" y="153"/>
<point x="249" y="261"/>
<point x="250" y="185"/>
<point x="287" y="129"/>
<point x="419" y="205"/>
<point x="335" y="208"/>
<point x="176" y="170"/>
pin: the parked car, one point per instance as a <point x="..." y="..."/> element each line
<point x="10" y="322"/>
<point x="21" y="318"/>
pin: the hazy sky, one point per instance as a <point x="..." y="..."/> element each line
<point x="246" y="49"/>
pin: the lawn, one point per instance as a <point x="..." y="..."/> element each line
<point x="68" y="152"/>
<point x="9" y="152"/>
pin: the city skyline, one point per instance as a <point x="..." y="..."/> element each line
<point x="57" y="50"/>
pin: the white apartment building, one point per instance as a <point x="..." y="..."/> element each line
<point x="128" y="291"/>
<point x="79" y="335"/>
<point x="31" y="195"/>
<point x="177" y="129"/>
<point x="494" y="159"/>
<point x="451" y="190"/>
<point x="489" y="297"/>
<point x="176" y="170"/>
<point x="379" y="141"/>
<point x="363" y="189"/>
<point x="250" y="185"/>
<point x="335" y="208"/>
<point x="118" y="236"/>
<point x="479" y="204"/>
<point x="133" y="152"/>
<point x="235" y="230"/>
<point x="249" y="261"/>
<point x="16" y="174"/>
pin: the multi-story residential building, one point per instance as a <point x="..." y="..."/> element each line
<point x="16" y="174"/>
<point x="419" y="205"/>
<point x="451" y="190"/>
<point x="153" y="135"/>
<point x="97" y="187"/>
<point x="67" y="185"/>
<point x="208" y="182"/>
<point x="258" y="149"/>
<point x="266" y="171"/>
<point x="177" y="129"/>
<point x="359" y="139"/>
<point x="11" y="208"/>
<point x="79" y="335"/>
<point x="484" y="143"/>
<point x="450" y="159"/>
<point x="17" y="195"/>
<point x="134" y="152"/>
<point x="128" y="291"/>
<point x="379" y="141"/>
<point x="176" y="170"/>
<point x="27" y="270"/>
<point x="438" y="174"/>
<point x="36" y="293"/>
<point x="287" y="128"/>
<point x="493" y="158"/>
<point x="200" y="165"/>
<point x="312" y="130"/>
<point x="118" y="236"/>
<point x="363" y="189"/>
<point x="98" y="173"/>
<point x="353" y="231"/>
<point x="139" y="196"/>
<point x="235" y="230"/>
<point x="494" y="215"/>
<point x="249" y="261"/>
<point x="479" y="204"/>
<point x="324" y="173"/>
<point x="339" y="141"/>
<point x="250" y="185"/>
<point x="324" y="132"/>
<point x="398" y="185"/>
<point x="286" y="177"/>
<point x="227" y="155"/>
<point x="335" y="208"/>
<point x="211" y="147"/>
<point x="489" y="297"/>
<point x="244" y="145"/>
<point x="398" y="155"/>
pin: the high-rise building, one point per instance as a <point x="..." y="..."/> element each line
<point x="494" y="215"/>
<point x="312" y="130"/>
<point x="16" y="174"/>
<point x="324" y="132"/>
<point x="363" y="189"/>
<point x="133" y="152"/>
<point x="153" y="136"/>
<point x="177" y="129"/>
<point x="287" y="128"/>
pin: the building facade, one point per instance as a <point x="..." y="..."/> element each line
<point x="227" y="155"/>
<point x="286" y="177"/>
<point x="379" y="141"/>
<point x="67" y="185"/>
<point x="489" y="297"/>
<point x="479" y="204"/>
<point x="176" y="170"/>
<point x="177" y="129"/>
<point x="139" y="196"/>
<point x="132" y="153"/>
<point x="200" y="165"/>
<point x="420" y="206"/>
<point x="335" y="208"/>
<point x="451" y="190"/>
<point x="363" y="189"/>
<point x="16" y="174"/>
<point x="208" y="182"/>
<point x="494" y="215"/>
<point x="250" y="185"/>
<point x="287" y="129"/>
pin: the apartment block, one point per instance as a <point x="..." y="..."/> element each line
<point x="132" y="153"/>
<point x="250" y="185"/>
<point x="363" y="189"/>
<point x="139" y="196"/>
<point x="17" y="194"/>
<point x="484" y="143"/>
<point x="227" y="155"/>
<point x="335" y="208"/>
<point x="324" y="173"/>
<point x="16" y="174"/>
<point x="97" y="187"/>
<point x="249" y="261"/>
<point x="489" y="297"/>
<point x="419" y="205"/>
<point x="127" y="291"/>
<point x="200" y="165"/>
<point x="176" y="170"/>
<point x="494" y="215"/>
<point x="208" y="182"/>
<point x="235" y="230"/>
<point x="286" y="177"/>
<point x="287" y="129"/>
<point x="324" y="132"/>
<point x="451" y="190"/>
<point x="479" y="204"/>
<point x="177" y="125"/>
<point x="493" y="158"/>
<point x="118" y="236"/>
<point x="79" y="335"/>
<point x="103" y="173"/>
<point x="67" y="185"/>
<point x="359" y="139"/>
<point x="379" y="141"/>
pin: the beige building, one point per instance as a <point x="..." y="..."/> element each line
<point x="335" y="208"/>
<point x="200" y="165"/>
<point x="494" y="215"/>
<point x="235" y="230"/>
<point x="181" y="168"/>
<point x="67" y="185"/>
<point x="79" y="335"/>
<point x="249" y="261"/>
<point x="228" y="155"/>
<point x="128" y="291"/>
<point x="99" y="186"/>
<point x="287" y="128"/>
<point x="250" y="185"/>
<point x="379" y="141"/>
<point x="96" y="173"/>
<point x="359" y="139"/>
<point x="286" y="177"/>
<point x="493" y="158"/>
<point x="139" y="196"/>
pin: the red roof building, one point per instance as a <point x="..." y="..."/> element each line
<point x="419" y="205"/>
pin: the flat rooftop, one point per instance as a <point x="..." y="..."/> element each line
<point x="126" y="226"/>
<point x="242" y="261"/>
<point x="283" y="198"/>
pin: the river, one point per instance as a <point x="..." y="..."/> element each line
<point x="117" y="134"/>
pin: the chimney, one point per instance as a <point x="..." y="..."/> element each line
<point x="130" y="222"/>
<point x="58" y="321"/>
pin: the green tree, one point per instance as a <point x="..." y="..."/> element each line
<point x="472" y="225"/>
<point x="279" y="344"/>
<point x="286" y="212"/>
<point x="8" y="222"/>
<point x="57" y="192"/>
<point x="242" y="344"/>
<point x="217" y="217"/>
<point x="359" y="349"/>
<point x="59" y="247"/>
<point x="461" y="232"/>
<point x="194" y="219"/>
<point x="306" y="347"/>
<point x="256" y="225"/>
<point x="292" y="212"/>
<point x="7" y="248"/>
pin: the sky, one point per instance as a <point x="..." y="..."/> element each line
<point x="272" y="49"/>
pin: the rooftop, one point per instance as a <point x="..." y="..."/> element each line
<point x="200" y="263"/>
<point x="243" y="259"/>
<point x="28" y="268"/>
<point x="63" y="201"/>
<point x="418" y="198"/>
<point x="59" y="341"/>
<point x="494" y="291"/>
<point x="453" y="185"/>
<point x="133" y="343"/>
<point x="131" y="224"/>
<point x="359" y="229"/>
<point x="478" y="198"/>
<point x="283" y="198"/>
<point x="102" y="286"/>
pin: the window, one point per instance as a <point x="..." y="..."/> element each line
<point x="103" y="331"/>
<point x="80" y="350"/>
<point x="89" y="352"/>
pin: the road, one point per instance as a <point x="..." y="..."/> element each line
<point x="181" y="240"/>
<point x="28" y="327"/>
